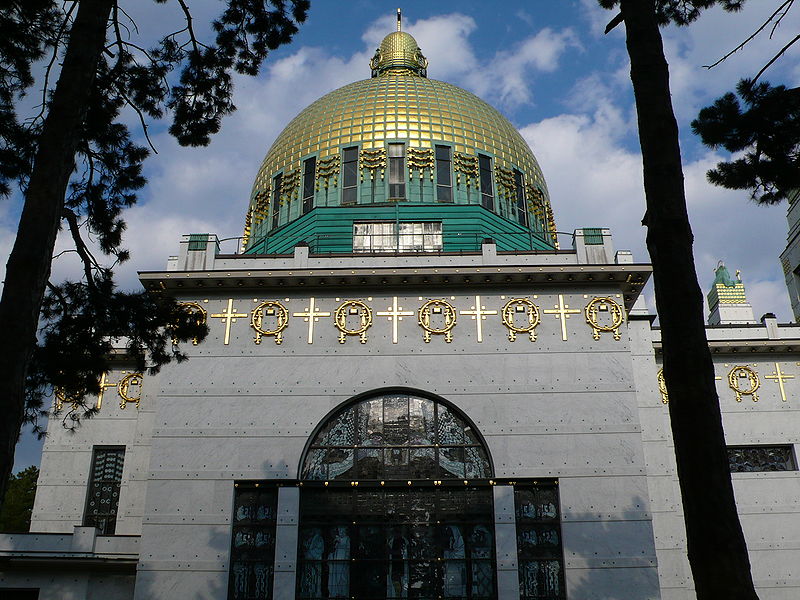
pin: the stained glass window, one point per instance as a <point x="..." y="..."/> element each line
<point x="104" y="487"/>
<point x="253" y="542"/>
<point x="397" y="436"/>
<point x="539" y="554"/>
<point x="746" y="459"/>
<point x="405" y="510"/>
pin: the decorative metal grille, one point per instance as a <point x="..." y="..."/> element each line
<point x="253" y="542"/>
<point x="747" y="459"/>
<point x="104" y="486"/>
<point x="399" y="437"/>
<point x="539" y="554"/>
<point x="399" y="514"/>
<point x="394" y="542"/>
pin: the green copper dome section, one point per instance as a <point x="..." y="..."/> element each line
<point x="398" y="105"/>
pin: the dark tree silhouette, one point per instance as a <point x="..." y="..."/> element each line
<point x="767" y="130"/>
<point x="15" y="516"/>
<point x="76" y="165"/>
<point x="716" y="546"/>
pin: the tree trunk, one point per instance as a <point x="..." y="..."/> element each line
<point x="716" y="545"/>
<point x="28" y="267"/>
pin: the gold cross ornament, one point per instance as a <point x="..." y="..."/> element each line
<point x="395" y="313"/>
<point x="229" y="317"/>
<point x="562" y="311"/>
<point x="311" y="316"/>
<point x="779" y="377"/>
<point x="478" y="313"/>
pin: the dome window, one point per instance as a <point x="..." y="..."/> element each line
<point x="276" y="199"/>
<point x="487" y="191"/>
<point x="309" y="170"/>
<point x="444" y="178"/>
<point x="519" y="190"/>
<point x="397" y="178"/>
<point x="390" y="236"/>
<point x="350" y="175"/>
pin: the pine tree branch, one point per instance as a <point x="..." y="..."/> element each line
<point x="49" y="68"/>
<point x="88" y="260"/>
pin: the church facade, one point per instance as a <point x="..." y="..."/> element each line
<point x="408" y="391"/>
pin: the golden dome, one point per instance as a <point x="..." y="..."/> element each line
<point x="398" y="104"/>
<point x="414" y="109"/>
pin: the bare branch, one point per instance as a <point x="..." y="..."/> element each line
<point x="187" y="13"/>
<point x="614" y="22"/>
<point x="50" y="63"/>
<point x="135" y="26"/>
<point x="754" y="34"/>
<point x="774" y="58"/>
<point x="779" y="19"/>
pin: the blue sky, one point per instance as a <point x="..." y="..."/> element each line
<point x="544" y="63"/>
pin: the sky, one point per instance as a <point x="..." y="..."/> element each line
<point x="545" y="64"/>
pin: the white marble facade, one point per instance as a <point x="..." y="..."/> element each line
<point x="585" y="412"/>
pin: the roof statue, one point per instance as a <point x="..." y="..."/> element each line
<point x="723" y="276"/>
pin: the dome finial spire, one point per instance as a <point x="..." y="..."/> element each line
<point x="399" y="20"/>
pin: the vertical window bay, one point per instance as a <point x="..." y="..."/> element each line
<point x="309" y="170"/>
<point x="444" y="177"/>
<point x="349" y="175"/>
<point x="276" y="199"/>
<point x="104" y="488"/>
<point x="522" y="209"/>
<point x="487" y="189"/>
<point x="397" y="176"/>
<point x="253" y="541"/>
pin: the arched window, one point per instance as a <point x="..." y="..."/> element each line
<point x="395" y="502"/>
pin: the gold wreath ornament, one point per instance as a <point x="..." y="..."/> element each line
<point x="530" y="318"/>
<point x="606" y="305"/>
<point x="437" y="307"/>
<point x="269" y="308"/>
<point x="353" y="308"/>
<point x="740" y="373"/>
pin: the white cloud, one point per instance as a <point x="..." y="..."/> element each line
<point x="508" y="77"/>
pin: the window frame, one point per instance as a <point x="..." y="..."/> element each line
<point x="396" y="237"/>
<point x="520" y="200"/>
<point x="444" y="191"/>
<point x="791" y="462"/>
<point x="537" y="525"/>
<point x="108" y="527"/>
<point x="253" y="527"/>
<point x="309" y="183"/>
<point x="396" y="166"/>
<point x="277" y="181"/>
<point x="486" y="181"/>
<point x="350" y="188"/>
